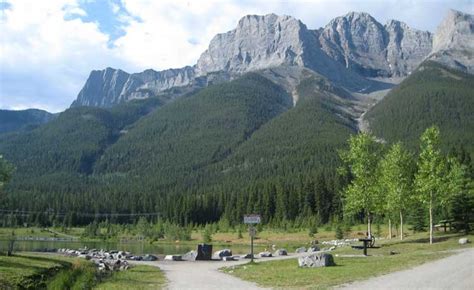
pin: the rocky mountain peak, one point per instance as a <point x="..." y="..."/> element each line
<point x="453" y="43"/>
<point x="362" y="44"/>
<point x="257" y="42"/>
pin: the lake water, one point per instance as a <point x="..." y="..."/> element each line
<point x="136" y="248"/>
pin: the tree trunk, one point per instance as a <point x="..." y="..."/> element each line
<point x="390" y="228"/>
<point x="431" y="222"/>
<point x="401" y="225"/>
<point x="369" y="226"/>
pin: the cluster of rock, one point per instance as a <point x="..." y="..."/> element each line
<point x="107" y="260"/>
<point x="340" y="243"/>
<point x="224" y="255"/>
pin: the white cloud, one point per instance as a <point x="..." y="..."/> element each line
<point x="46" y="55"/>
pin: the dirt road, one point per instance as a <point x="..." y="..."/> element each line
<point x="454" y="272"/>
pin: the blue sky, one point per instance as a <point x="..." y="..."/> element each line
<point x="48" y="48"/>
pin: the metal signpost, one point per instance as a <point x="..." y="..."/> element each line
<point x="252" y="219"/>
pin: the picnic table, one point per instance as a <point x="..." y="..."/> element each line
<point x="368" y="242"/>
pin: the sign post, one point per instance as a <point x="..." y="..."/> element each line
<point x="252" y="219"/>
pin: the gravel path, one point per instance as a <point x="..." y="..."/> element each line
<point x="205" y="274"/>
<point x="454" y="272"/>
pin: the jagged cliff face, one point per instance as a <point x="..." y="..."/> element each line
<point x="364" y="45"/>
<point x="347" y="51"/>
<point x="453" y="44"/>
<point x="113" y="86"/>
<point x="258" y="42"/>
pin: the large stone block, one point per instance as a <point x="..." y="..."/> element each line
<point x="316" y="260"/>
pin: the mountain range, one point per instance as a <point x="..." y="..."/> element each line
<point x="257" y="119"/>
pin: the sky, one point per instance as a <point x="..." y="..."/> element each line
<point x="49" y="47"/>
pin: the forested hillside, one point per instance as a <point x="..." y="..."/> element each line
<point x="432" y="95"/>
<point x="23" y="120"/>
<point x="224" y="151"/>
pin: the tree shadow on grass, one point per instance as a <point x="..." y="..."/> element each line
<point x="427" y="239"/>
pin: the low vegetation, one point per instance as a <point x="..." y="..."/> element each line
<point x="391" y="256"/>
<point x="36" y="271"/>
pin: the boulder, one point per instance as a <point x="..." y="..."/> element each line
<point x="313" y="249"/>
<point x="150" y="258"/>
<point x="463" y="241"/>
<point x="300" y="250"/>
<point x="281" y="252"/>
<point x="265" y="254"/>
<point x="316" y="260"/>
<point x="173" y="258"/>
<point x="222" y="253"/>
<point x="190" y="256"/>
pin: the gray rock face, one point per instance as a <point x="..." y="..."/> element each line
<point x="364" y="45"/>
<point x="113" y="86"/>
<point x="346" y="51"/>
<point x="316" y="260"/>
<point x="261" y="42"/>
<point x="453" y="43"/>
<point x="258" y="42"/>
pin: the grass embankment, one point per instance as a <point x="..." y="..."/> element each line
<point x="36" y="271"/>
<point x="138" y="277"/>
<point x="29" y="271"/>
<point x="411" y="252"/>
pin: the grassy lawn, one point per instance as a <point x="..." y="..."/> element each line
<point x="286" y="273"/>
<point x="21" y="232"/>
<point x="29" y="271"/>
<point x="138" y="277"/>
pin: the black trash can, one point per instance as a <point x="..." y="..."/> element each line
<point x="204" y="252"/>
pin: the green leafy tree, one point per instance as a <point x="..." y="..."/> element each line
<point x="395" y="181"/>
<point x="361" y="160"/>
<point x="431" y="176"/>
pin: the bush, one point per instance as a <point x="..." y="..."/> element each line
<point x="207" y="234"/>
<point x="339" y="232"/>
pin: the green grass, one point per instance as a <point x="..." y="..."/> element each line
<point x="286" y="273"/>
<point x="39" y="271"/>
<point x="138" y="277"/>
<point x="29" y="271"/>
<point x="53" y="232"/>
